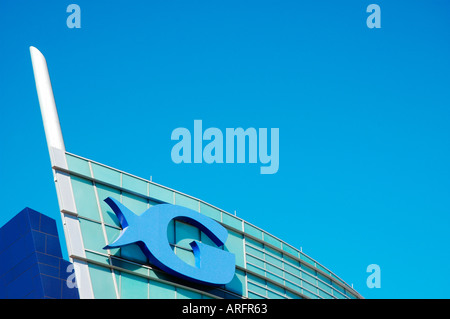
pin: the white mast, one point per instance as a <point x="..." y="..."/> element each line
<point x="56" y="148"/>
<point x="47" y="104"/>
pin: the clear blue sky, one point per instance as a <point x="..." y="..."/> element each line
<point x="363" y="115"/>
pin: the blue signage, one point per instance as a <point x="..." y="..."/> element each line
<point x="213" y="266"/>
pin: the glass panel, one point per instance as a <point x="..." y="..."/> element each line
<point x="159" y="290"/>
<point x="273" y="260"/>
<point x="274" y="295"/>
<point x="134" y="184"/>
<point x="290" y="250"/>
<point x="307" y="259"/>
<point x="232" y="221"/>
<point x="206" y="240"/>
<point x="350" y="295"/>
<point x="272" y="240"/>
<point x="133" y="252"/>
<point x="308" y="269"/>
<point x="275" y="288"/>
<point x="254" y="288"/>
<point x="256" y="270"/>
<point x="209" y="211"/>
<point x="336" y="286"/>
<point x="235" y="245"/>
<point x="323" y="278"/>
<point x="185" y="234"/>
<point x="237" y="284"/>
<point x="324" y="295"/>
<point x="256" y="279"/>
<point x="249" y="229"/>
<point x="129" y="266"/>
<point x="254" y="242"/>
<point x="322" y="268"/>
<point x="102" y="282"/>
<point x="104" y="192"/>
<point x="254" y="296"/>
<point x="255" y="261"/>
<point x="309" y="294"/>
<point x="186" y="201"/>
<point x="293" y="279"/>
<point x="337" y="294"/>
<point x="292" y="295"/>
<point x="324" y="287"/>
<point x="78" y="165"/>
<point x="92" y="235"/>
<point x="85" y="200"/>
<point x="272" y="276"/>
<point x="112" y="234"/>
<point x="187" y="294"/>
<point x="291" y="261"/>
<point x="254" y="252"/>
<point x="136" y="204"/>
<point x="106" y="175"/>
<point x="186" y="256"/>
<point x="309" y="287"/>
<point x="273" y="252"/>
<point x="161" y="193"/>
<point x="133" y="287"/>
<point x="309" y="278"/>
<point x="291" y="269"/>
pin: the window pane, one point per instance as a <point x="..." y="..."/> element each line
<point x="136" y="204"/>
<point x="235" y="244"/>
<point x="232" y="221"/>
<point x="106" y="175"/>
<point x="133" y="287"/>
<point x="161" y="193"/>
<point x="85" y="200"/>
<point x="102" y="282"/>
<point x="209" y="211"/>
<point x="103" y="191"/>
<point x="159" y="290"/>
<point x="78" y="165"/>
<point x="186" y="201"/>
<point x="134" y="184"/>
<point x="92" y="235"/>
<point x="185" y="234"/>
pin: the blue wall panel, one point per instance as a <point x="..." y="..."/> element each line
<point x="31" y="263"/>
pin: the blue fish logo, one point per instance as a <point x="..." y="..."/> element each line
<point x="213" y="266"/>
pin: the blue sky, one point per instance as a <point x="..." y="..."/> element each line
<point x="363" y="117"/>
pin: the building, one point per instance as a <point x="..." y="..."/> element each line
<point x="32" y="266"/>
<point x="264" y="266"/>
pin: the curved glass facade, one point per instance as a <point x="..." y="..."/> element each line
<point x="266" y="267"/>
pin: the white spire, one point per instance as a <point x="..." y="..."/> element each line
<point x="49" y="113"/>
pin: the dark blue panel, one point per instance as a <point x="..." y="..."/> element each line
<point x="69" y="293"/>
<point x="64" y="273"/>
<point x="35" y="294"/>
<point x="53" y="246"/>
<point x="31" y="264"/>
<point x="21" y="286"/>
<point x="16" y="252"/>
<point x="27" y="263"/>
<point x="49" y="270"/>
<point x="39" y="241"/>
<point x="52" y="287"/>
<point x="34" y="218"/>
<point x="48" y="225"/>
<point x="47" y="259"/>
